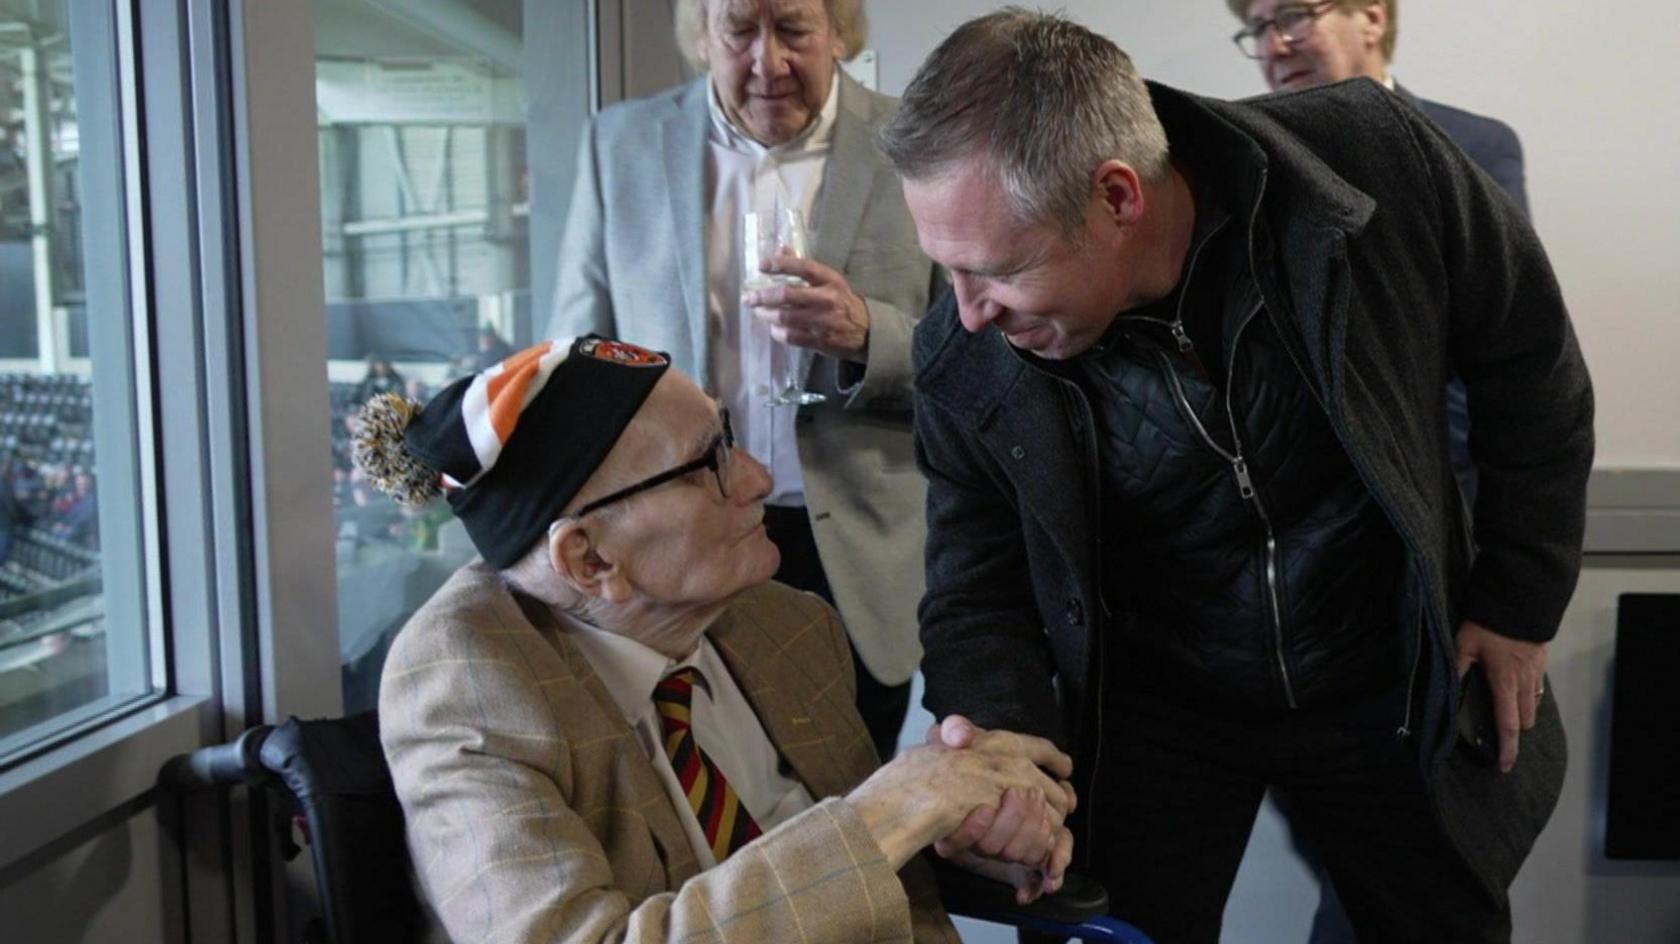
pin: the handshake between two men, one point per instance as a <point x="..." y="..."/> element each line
<point x="992" y="802"/>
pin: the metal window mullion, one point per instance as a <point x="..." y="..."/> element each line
<point x="147" y="434"/>
<point x="283" y="323"/>
<point x="118" y="335"/>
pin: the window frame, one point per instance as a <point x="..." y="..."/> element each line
<point x="216" y="240"/>
<point x="51" y="790"/>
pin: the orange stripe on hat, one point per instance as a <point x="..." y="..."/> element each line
<point x="496" y="398"/>
<point x="508" y="385"/>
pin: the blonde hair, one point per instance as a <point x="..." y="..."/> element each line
<point x="1390" y="30"/>
<point x="845" y="18"/>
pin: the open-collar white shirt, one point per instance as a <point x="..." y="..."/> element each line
<point x="724" y="725"/>
<point x="743" y="175"/>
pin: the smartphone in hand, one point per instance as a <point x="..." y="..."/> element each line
<point x="1478" y="731"/>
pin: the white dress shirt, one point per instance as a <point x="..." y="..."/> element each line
<point x="743" y="175"/>
<point x="724" y="725"/>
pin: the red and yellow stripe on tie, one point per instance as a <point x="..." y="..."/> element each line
<point x="726" y="823"/>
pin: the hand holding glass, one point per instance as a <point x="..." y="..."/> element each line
<point x="762" y="234"/>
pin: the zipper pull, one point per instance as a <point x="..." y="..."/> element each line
<point x="1245" y="482"/>
<point x="1184" y="343"/>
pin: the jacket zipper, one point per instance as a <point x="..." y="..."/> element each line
<point x="1405" y="729"/>
<point x="1358" y="461"/>
<point x="1245" y="488"/>
<point x="1176" y="326"/>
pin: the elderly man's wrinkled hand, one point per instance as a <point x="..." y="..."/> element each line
<point x="959" y="732"/>
<point x="824" y="314"/>
<point x="927" y="793"/>
<point x="1023" y="840"/>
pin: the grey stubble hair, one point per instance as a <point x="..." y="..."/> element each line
<point x="1042" y="99"/>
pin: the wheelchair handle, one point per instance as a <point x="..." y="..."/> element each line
<point x="236" y="762"/>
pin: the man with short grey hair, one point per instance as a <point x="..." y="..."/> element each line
<point x="652" y="254"/>
<point x="1190" y="510"/>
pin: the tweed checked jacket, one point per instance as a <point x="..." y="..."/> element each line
<point x="533" y="814"/>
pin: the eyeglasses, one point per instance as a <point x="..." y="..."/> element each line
<point x="716" y="458"/>
<point x="1293" y="24"/>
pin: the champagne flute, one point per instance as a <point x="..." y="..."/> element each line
<point x="762" y="234"/>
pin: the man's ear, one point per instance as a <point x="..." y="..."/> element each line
<point x="1376" y="22"/>
<point x="577" y="560"/>
<point x="1121" y="191"/>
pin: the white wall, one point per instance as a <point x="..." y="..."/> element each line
<point x="1589" y="88"/>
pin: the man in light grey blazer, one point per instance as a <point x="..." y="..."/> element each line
<point x="651" y="255"/>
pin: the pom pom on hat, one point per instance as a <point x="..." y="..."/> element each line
<point x="379" y="450"/>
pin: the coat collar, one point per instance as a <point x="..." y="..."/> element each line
<point x="682" y="140"/>
<point x="1244" y="138"/>
<point x="1407" y="96"/>
<point x="783" y="695"/>
<point x="848" y="177"/>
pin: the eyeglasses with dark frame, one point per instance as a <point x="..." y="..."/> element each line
<point x="1294" y="22"/>
<point x="716" y="458"/>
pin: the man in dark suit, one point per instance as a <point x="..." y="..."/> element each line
<point x="1300" y="45"/>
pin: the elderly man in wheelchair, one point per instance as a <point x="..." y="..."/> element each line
<point x="615" y="726"/>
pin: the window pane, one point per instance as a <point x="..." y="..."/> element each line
<point x="69" y="485"/>
<point x="427" y="217"/>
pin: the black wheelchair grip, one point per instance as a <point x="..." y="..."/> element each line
<point x="236" y="762"/>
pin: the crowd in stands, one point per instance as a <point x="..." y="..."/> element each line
<point x="48" y="486"/>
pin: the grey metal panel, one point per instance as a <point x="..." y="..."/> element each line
<point x="225" y="843"/>
<point x="1633" y="511"/>
<point x="285" y="352"/>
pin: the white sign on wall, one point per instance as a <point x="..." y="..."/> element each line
<point x="412" y="91"/>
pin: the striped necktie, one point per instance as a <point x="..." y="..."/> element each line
<point x="727" y="824"/>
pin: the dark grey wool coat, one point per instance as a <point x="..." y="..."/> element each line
<point x="1387" y="262"/>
